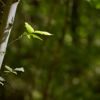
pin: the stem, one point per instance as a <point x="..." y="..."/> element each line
<point x="15" y="40"/>
<point x="21" y="36"/>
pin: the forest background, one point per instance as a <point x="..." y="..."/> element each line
<point x="64" y="66"/>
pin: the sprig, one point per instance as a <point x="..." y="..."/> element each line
<point x="14" y="71"/>
<point x="32" y="33"/>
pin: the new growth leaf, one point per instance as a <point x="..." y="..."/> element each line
<point x="32" y="33"/>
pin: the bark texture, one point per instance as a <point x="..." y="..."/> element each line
<point x="8" y="12"/>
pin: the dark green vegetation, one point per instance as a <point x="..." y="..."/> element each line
<point x="65" y="66"/>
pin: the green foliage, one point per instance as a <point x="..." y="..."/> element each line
<point x="65" y="67"/>
<point x="10" y="70"/>
<point x="2" y="80"/>
<point x="29" y="28"/>
<point x="32" y="33"/>
<point x="14" y="71"/>
<point x="21" y="69"/>
<point x="29" y="33"/>
<point x="42" y="32"/>
<point x="95" y="3"/>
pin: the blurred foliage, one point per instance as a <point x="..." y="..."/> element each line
<point x="65" y="66"/>
<point x="95" y="3"/>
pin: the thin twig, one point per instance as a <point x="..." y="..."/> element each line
<point x="21" y="36"/>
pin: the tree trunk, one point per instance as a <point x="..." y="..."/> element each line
<point x="7" y="15"/>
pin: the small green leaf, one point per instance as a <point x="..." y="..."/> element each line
<point x="8" y="68"/>
<point x="19" y="69"/>
<point x="2" y="79"/>
<point x="29" y="36"/>
<point x="29" y="28"/>
<point x="7" y="71"/>
<point x="2" y="83"/>
<point x="42" y="32"/>
<point x="37" y="37"/>
<point x="14" y="72"/>
<point x="34" y="36"/>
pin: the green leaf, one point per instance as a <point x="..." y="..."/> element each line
<point x="2" y="83"/>
<point x="29" y="36"/>
<point x="8" y="68"/>
<point x="19" y="69"/>
<point x="34" y="36"/>
<point x="29" y="28"/>
<point x="42" y="32"/>
<point x="37" y="37"/>
<point x="14" y="72"/>
<point x="7" y="71"/>
<point x="2" y="79"/>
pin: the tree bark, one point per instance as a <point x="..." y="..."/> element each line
<point x="7" y="19"/>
